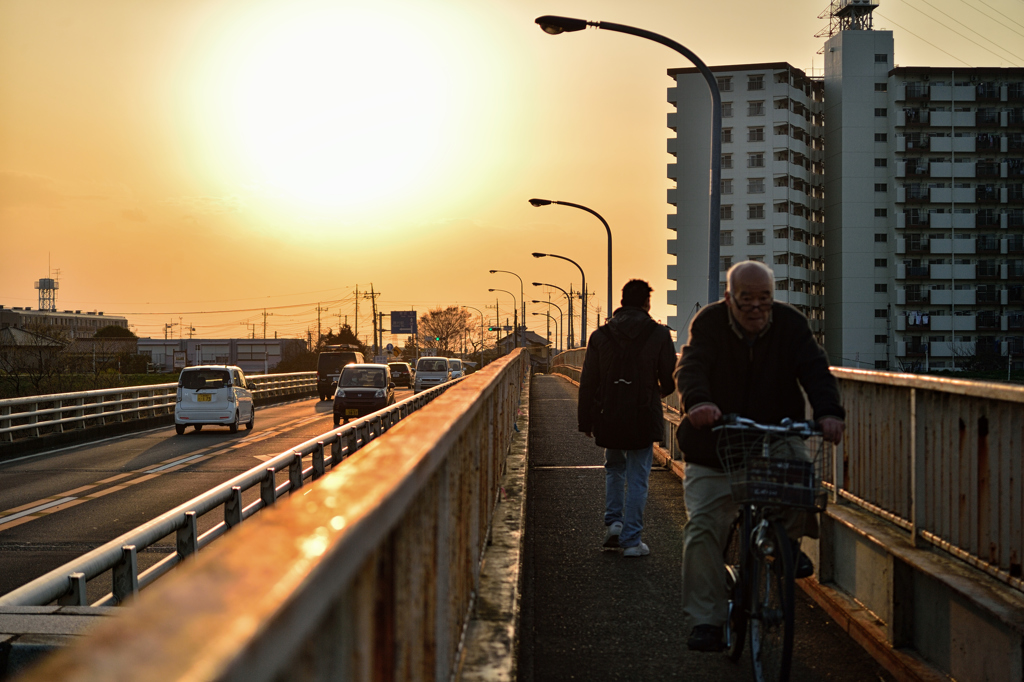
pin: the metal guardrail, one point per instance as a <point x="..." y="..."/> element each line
<point x="35" y="416"/>
<point x="67" y="584"/>
<point x="369" y="574"/>
<point x="940" y="458"/>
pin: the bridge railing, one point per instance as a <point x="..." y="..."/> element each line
<point x="941" y="458"/>
<point x="35" y="416"/>
<point x="369" y="574"/>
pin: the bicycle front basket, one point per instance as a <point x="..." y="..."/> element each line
<point x="772" y="469"/>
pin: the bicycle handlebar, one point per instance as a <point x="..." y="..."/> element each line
<point x="787" y="426"/>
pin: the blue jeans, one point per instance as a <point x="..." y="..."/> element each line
<point x="625" y="491"/>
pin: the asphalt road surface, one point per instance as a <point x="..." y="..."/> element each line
<point x="56" y="506"/>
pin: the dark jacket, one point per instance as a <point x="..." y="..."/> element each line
<point x="759" y="380"/>
<point x="656" y="360"/>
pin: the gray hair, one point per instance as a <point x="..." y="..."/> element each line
<point x="739" y="268"/>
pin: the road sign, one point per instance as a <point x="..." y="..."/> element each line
<point x="390" y="347"/>
<point x="403" y="321"/>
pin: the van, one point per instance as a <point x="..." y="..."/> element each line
<point x="328" y="368"/>
<point x="455" y="367"/>
<point x="213" y="394"/>
<point x="431" y="372"/>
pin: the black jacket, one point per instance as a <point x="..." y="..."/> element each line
<point x="656" y="361"/>
<point x="760" y="381"/>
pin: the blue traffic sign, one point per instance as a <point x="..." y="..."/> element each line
<point x="403" y="321"/>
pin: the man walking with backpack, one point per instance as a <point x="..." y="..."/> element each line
<point x="627" y="370"/>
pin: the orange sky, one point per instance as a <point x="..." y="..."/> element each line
<point x="178" y="158"/>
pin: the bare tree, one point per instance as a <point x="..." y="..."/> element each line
<point x="442" y="328"/>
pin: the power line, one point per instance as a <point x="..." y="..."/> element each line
<point x="922" y="39"/>
<point x="974" y="32"/>
<point x="997" y="12"/>
<point x="975" y="42"/>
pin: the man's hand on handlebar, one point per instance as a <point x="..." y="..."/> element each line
<point x="704" y="416"/>
<point x="832" y="428"/>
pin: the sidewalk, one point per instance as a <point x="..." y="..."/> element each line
<point x="590" y="614"/>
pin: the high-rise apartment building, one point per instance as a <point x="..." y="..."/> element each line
<point x="772" y="191"/>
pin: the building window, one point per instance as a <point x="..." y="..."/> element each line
<point x="881" y="288"/>
<point x="725" y="213"/>
<point x="726" y="160"/>
<point x="726" y="109"/>
<point x="782" y="285"/>
<point x="881" y="212"/>
<point x="881" y="312"/>
<point x="881" y="237"/>
<point x="881" y="137"/>
<point x="881" y="87"/>
<point x="725" y="83"/>
<point x="755" y="160"/>
<point x="880" y="338"/>
<point x="756" y="259"/>
<point x="726" y="186"/>
<point x="755" y="82"/>
<point x="755" y="134"/>
<point x="881" y="163"/>
<point x="755" y="237"/>
<point x="881" y="262"/>
<point x="755" y="186"/>
<point x="881" y="111"/>
<point x="726" y="135"/>
<point x="755" y="211"/>
<point x="724" y="263"/>
<point x="725" y="238"/>
<point x="881" y="59"/>
<point x="755" y="108"/>
<point x="881" y="187"/>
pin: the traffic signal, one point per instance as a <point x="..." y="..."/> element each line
<point x="491" y="329"/>
<point x="437" y="338"/>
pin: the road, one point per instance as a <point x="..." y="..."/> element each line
<point x="59" y="505"/>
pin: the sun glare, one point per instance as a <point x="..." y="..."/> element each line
<point x="331" y="109"/>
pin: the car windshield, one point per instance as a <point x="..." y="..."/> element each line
<point x="331" y="363"/>
<point x="204" y="378"/>
<point x="455" y="364"/>
<point x="362" y="377"/>
<point x="432" y="366"/>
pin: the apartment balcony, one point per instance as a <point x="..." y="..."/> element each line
<point x="949" y="119"/>
<point x="946" y="195"/>
<point x="979" y="143"/>
<point x="949" y="323"/>
<point x="1014" y="118"/>
<point x="912" y="117"/>
<point x="949" y="93"/>
<point x="945" y="221"/>
<point x="1014" y="194"/>
<point x="987" y="117"/>
<point x="1015" y="244"/>
<point x="960" y="169"/>
<point x="988" y="245"/>
<point x="951" y="246"/>
<point x="672" y="196"/>
<point x="987" y="297"/>
<point x="1013" y="142"/>
<point x="1015" y="321"/>
<point x="1015" y="294"/>
<point x="987" y="219"/>
<point x="987" y="270"/>
<point x="988" y="169"/>
<point x="987" y="194"/>
<point x="911" y="92"/>
<point x="904" y="297"/>
<point x="952" y="297"/>
<point x="983" y="322"/>
<point x="917" y="350"/>
<point x="946" y="271"/>
<point x="916" y="323"/>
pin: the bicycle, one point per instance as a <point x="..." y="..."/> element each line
<point x="772" y="470"/>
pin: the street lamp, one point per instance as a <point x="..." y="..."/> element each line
<point x="537" y="203"/>
<point x="522" y="299"/>
<point x="555" y="25"/>
<point x="515" y="311"/>
<point x="553" y="321"/>
<point x="561" y="321"/>
<point x="568" y="298"/>
<point x="583" y="317"/>
<point x="481" y="332"/>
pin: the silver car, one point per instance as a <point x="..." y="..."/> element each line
<point x="213" y="394"/>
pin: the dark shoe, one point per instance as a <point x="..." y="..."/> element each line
<point x="706" y="638"/>
<point x="804" y="567"/>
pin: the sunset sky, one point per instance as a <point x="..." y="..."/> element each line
<point x="204" y="159"/>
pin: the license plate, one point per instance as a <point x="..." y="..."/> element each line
<point x="351" y="413"/>
<point x="203" y="397"/>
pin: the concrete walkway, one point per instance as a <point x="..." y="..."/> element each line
<point x="588" y="613"/>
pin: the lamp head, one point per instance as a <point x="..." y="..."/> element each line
<point x="491" y="290"/>
<point x="493" y="271"/>
<point x="539" y="202"/>
<point x="539" y="255"/>
<point x="536" y="301"/>
<point x="555" y="25"/>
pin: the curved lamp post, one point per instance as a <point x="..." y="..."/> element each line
<point x="567" y="330"/>
<point x="561" y="321"/>
<point x="522" y="299"/>
<point x="583" y="317"/>
<point x="553" y="321"/>
<point x="555" y="25"/>
<point x="515" y="310"/>
<point x="545" y="202"/>
<point x="481" y="332"/>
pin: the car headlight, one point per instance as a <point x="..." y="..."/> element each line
<point x="379" y="393"/>
<point x="340" y="393"/>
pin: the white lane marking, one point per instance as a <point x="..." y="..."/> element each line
<point x="175" y="463"/>
<point x="33" y="510"/>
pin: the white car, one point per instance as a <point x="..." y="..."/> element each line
<point x="456" y="368"/>
<point x="213" y="394"/>
<point x="431" y="372"/>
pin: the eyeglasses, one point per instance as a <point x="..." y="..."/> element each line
<point x="750" y="307"/>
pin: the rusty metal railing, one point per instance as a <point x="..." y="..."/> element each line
<point x="368" y="574"/>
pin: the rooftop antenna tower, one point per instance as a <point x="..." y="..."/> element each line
<point x="846" y="15"/>
<point x="48" y="290"/>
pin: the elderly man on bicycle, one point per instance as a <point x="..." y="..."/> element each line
<point x="746" y="355"/>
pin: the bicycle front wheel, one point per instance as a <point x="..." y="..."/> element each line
<point x="771" y="619"/>
<point x="736" y="583"/>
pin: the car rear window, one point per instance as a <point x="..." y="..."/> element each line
<point x="455" y="364"/>
<point x="330" y="363"/>
<point x="432" y="366"/>
<point x="364" y="378"/>
<point x="205" y="378"/>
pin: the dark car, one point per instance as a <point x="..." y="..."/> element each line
<point x="401" y="373"/>
<point x="362" y="389"/>
<point x="328" y="367"/>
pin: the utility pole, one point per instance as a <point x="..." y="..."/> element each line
<point x="357" y="313"/>
<point x="319" y="334"/>
<point x="265" y="316"/>
<point x="373" y="302"/>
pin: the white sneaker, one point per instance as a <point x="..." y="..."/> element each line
<point x="611" y="537"/>
<point x="637" y="550"/>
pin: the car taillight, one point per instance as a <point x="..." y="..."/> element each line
<point x="178" y="396"/>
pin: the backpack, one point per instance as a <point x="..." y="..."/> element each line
<point x="623" y="421"/>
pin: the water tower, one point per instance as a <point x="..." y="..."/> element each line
<point x="47" y="294"/>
